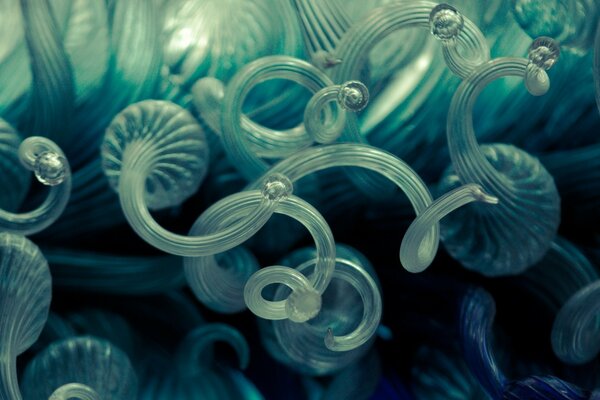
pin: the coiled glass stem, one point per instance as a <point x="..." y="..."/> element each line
<point x="51" y="168"/>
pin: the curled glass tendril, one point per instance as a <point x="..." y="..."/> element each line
<point x="47" y="161"/>
<point x="155" y="155"/>
<point x="25" y="293"/>
<point x="559" y="274"/>
<point x="514" y="234"/>
<point x="575" y="330"/>
<point x="194" y="373"/>
<point x="247" y="142"/>
<point x="477" y="316"/>
<point x="232" y="289"/>
<point x="305" y="339"/>
<point x="308" y="161"/>
<point x="91" y="368"/>
<point x="570" y="22"/>
<point x="464" y="47"/>
<point x="75" y="391"/>
<point x="51" y="71"/>
<point x="414" y="247"/>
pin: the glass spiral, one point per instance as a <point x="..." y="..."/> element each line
<point x="511" y="236"/>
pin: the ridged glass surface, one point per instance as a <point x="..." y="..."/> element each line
<point x="172" y="140"/>
<point x="85" y="360"/>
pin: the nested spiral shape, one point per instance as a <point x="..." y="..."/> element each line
<point x="351" y="309"/>
<point x="511" y="236"/>
<point x="169" y="139"/>
<point x="241" y="136"/>
<point x="25" y="292"/>
<point x="86" y="360"/>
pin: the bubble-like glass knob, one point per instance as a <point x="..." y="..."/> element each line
<point x="544" y="52"/>
<point x="353" y="96"/>
<point x="50" y="168"/>
<point x="445" y="22"/>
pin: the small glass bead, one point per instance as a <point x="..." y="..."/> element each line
<point x="353" y="96"/>
<point x="303" y="305"/>
<point x="544" y="52"/>
<point x="50" y="168"/>
<point x="277" y="187"/>
<point x="446" y="22"/>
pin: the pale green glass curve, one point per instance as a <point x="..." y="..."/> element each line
<point x="51" y="168"/>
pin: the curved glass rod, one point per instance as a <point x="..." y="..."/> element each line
<point x="76" y="391"/>
<point x="368" y="290"/>
<point x="13" y="178"/>
<point x="51" y="168"/>
<point x="414" y="239"/>
<point x="477" y="316"/>
<point x="315" y="159"/>
<point x="350" y="96"/>
<point x="155" y="155"/>
<point x="132" y="187"/>
<point x="228" y="212"/>
<point x="511" y="236"/>
<point x="464" y="47"/>
<point x="237" y="131"/>
<point x="360" y="280"/>
<point x="323" y="24"/>
<point x="196" y="350"/>
<point x="53" y="99"/>
<point x="575" y="330"/>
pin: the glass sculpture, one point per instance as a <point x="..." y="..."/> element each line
<point x="246" y="199"/>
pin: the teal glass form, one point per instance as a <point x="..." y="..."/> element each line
<point x="597" y="64"/>
<point x="13" y="177"/>
<point x="463" y="45"/>
<point x="248" y="143"/>
<point x="327" y="343"/>
<point x="50" y="167"/>
<point x="358" y="380"/>
<point x="25" y="293"/>
<point x="423" y="243"/>
<point x="83" y="367"/>
<point x="570" y="22"/>
<point x="51" y="72"/>
<point x="575" y="330"/>
<point x="14" y="56"/>
<point x="199" y="44"/>
<point x="155" y="156"/>
<point x="511" y="236"/>
<point x="114" y="273"/>
<point x="444" y="375"/>
<point x="323" y="24"/>
<point x="195" y="374"/>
